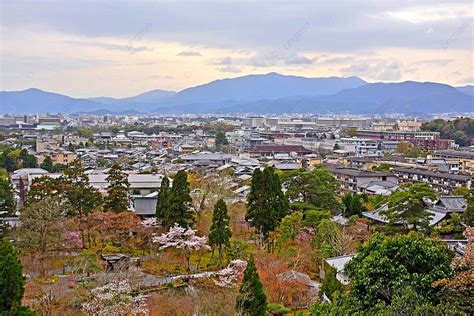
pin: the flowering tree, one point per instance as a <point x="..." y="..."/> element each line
<point x="115" y="298"/>
<point x="184" y="239"/>
<point x="149" y="222"/>
<point x="73" y="239"/>
<point x="227" y="276"/>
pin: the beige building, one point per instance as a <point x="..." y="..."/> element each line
<point x="409" y="126"/>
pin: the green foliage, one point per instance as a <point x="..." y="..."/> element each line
<point x="14" y="158"/>
<point x="383" y="167"/>
<point x="118" y="195"/>
<point x="328" y="239"/>
<point x="353" y="205"/>
<point x="407" y="206"/>
<point x="44" y="187"/>
<point x="330" y="283"/>
<point x="290" y="226"/>
<point x="468" y="216"/>
<point x="221" y="140"/>
<point x="278" y="309"/>
<point x="266" y="203"/>
<point x="11" y="278"/>
<point x="7" y="204"/>
<point x="460" y="129"/>
<point x="220" y="231"/>
<point x="251" y="300"/>
<point x="386" y="265"/>
<point x="47" y="164"/>
<point x="312" y="218"/>
<point x="163" y="202"/>
<point x="317" y="187"/>
<point x="180" y="202"/>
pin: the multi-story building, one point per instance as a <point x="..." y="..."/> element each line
<point x="464" y="159"/>
<point x="442" y="182"/>
<point x="354" y="180"/>
<point x="425" y="140"/>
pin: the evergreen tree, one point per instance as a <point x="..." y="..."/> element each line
<point x="330" y="283"/>
<point x="468" y="216"/>
<point x="7" y="204"/>
<point x="163" y="200"/>
<point x="27" y="160"/>
<point x="47" y="164"/>
<point x="266" y="203"/>
<point x="118" y="195"/>
<point x="407" y="206"/>
<point x="81" y="196"/>
<point x="251" y="300"/>
<point x="180" y="202"/>
<point x="220" y="232"/>
<point x="11" y="279"/>
<point x="353" y="205"/>
<point x="221" y="140"/>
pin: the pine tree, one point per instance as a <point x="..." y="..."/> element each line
<point x="330" y="283"/>
<point x="11" y="279"/>
<point x="220" y="232"/>
<point x="47" y="164"/>
<point x="118" y="195"/>
<point x="163" y="200"/>
<point x="7" y="205"/>
<point x="251" y="300"/>
<point x="266" y="202"/>
<point x="180" y="202"/>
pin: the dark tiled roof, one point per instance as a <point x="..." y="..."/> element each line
<point x="454" y="153"/>
<point x="279" y="149"/>
<point x="445" y="175"/>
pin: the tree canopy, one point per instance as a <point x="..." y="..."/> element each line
<point x="251" y="299"/>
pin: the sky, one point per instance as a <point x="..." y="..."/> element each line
<point x="122" y="48"/>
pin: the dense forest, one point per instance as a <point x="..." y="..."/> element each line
<point x="460" y="129"/>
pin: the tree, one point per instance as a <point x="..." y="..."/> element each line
<point x="221" y="140"/>
<point x="266" y="203"/>
<point x="81" y="197"/>
<point x="330" y="283"/>
<point x="317" y="187"/>
<point x="251" y="299"/>
<point x="220" y="231"/>
<point x="331" y="240"/>
<point x="47" y="164"/>
<point x="7" y="204"/>
<point x="27" y="160"/>
<point x="336" y="147"/>
<point x="41" y="229"/>
<point x="312" y="218"/>
<point x="163" y="200"/>
<point x="180" y="211"/>
<point x="118" y="195"/>
<point x="386" y="265"/>
<point x="182" y="238"/>
<point x="290" y="226"/>
<point x="468" y="216"/>
<point x="408" y="206"/>
<point x="11" y="279"/>
<point x="44" y="187"/>
<point x="353" y="205"/>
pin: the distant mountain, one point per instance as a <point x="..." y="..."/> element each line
<point x="146" y="97"/>
<point x="39" y="101"/>
<point x="270" y="93"/>
<point x="258" y="87"/>
<point x="466" y="89"/>
<point x="403" y="97"/>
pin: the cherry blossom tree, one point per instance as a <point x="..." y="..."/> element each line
<point x="227" y="276"/>
<point x="184" y="239"/>
<point x="115" y="298"/>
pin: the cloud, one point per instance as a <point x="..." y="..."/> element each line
<point x="438" y="62"/>
<point x="161" y="77"/>
<point x="230" y="69"/>
<point x="467" y="81"/>
<point x="298" y="60"/>
<point x="337" y="60"/>
<point x="227" y="60"/>
<point x="377" y="70"/>
<point x="130" y="47"/>
<point x="187" y="53"/>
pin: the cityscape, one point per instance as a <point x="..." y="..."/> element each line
<point x="242" y="180"/>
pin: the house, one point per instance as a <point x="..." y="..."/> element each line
<point x="463" y="159"/>
<point x="378" y="216"/>
<point x="272" y="150"/>
<point x="357" y="181"/>
<point x="442" y="182"/>
<point x="338" y="263"/>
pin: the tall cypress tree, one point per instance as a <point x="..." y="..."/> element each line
<point x="266" y="202"/>
<point x="180" y="211"/>
<point x="7" y="204"/>
<point x="163" y="200"/>
<point x="118" y="196"/>
<point x="11" y="279"/>
<point x="251" y="299"/>
<point x="220" y="232"/>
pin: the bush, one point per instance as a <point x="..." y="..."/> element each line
<point x="278" y="309"/>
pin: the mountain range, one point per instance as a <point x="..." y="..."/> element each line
<point x="259" y="94"/>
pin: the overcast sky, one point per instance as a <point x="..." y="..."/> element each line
<point x="119" y="48"/>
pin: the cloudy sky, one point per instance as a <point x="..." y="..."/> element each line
<point x="122" y="48"/>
